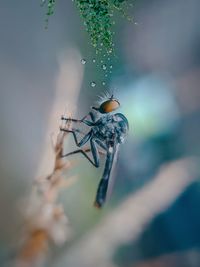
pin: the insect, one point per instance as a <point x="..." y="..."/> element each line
<point x="107" y="130"/>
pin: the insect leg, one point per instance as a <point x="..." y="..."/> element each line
<point x="89" y="123"/>
<point x="94" y="150"/>
<point x="101" y="144"/>
<point x="86" y="150"/>
<point x="92" y="116"/>
<point x="84" y="154"/>
<point x="83" y="141"/>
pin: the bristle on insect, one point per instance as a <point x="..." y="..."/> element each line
<point x="104" y="97"/>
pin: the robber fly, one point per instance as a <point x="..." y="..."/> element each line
<point x="107" y="131"/>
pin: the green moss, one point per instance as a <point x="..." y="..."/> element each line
<point x="98" y="19"/>
<point x="50" y="8"/>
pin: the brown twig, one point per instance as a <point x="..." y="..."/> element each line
<point x="46" y="221"/>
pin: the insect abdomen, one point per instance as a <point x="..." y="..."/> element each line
<point x="101" y="193"/>
<point x="103" y="184"/>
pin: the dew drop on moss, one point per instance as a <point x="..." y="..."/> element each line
<point x="93" y="84"/>
<point x="104" y="67"/>
<point x="83" y="61"/>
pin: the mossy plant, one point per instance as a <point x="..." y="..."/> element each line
<point x="50" y="8"/>
<point x="98" y="19"/>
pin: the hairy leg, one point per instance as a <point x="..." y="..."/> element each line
<point x="83" y="120"/>
<point x="93" y="149"/>
<point x="74" y="131"/>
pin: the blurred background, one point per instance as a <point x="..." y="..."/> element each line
<point x="153" y="217"/>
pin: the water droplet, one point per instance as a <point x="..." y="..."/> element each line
<point x="108" y="59"/>
<point x="101" y="44"/>
<point x="83" y="61"/>
<point x="103" y="83"/>
<point x="104" y="67"/>
<point x="101" y="61"/>
<point x="93" y="84"/>
<point x="111" y="66"/>
<point x="94" y="60"/>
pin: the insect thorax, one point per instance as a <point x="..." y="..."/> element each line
<point x="110" y="128"/>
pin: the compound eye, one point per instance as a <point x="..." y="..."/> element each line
<point x="109" y="106"/>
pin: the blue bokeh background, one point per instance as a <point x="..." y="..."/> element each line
<point x="156" y="77"/>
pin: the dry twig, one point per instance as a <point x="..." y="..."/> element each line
<point x="46" y="221"/>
